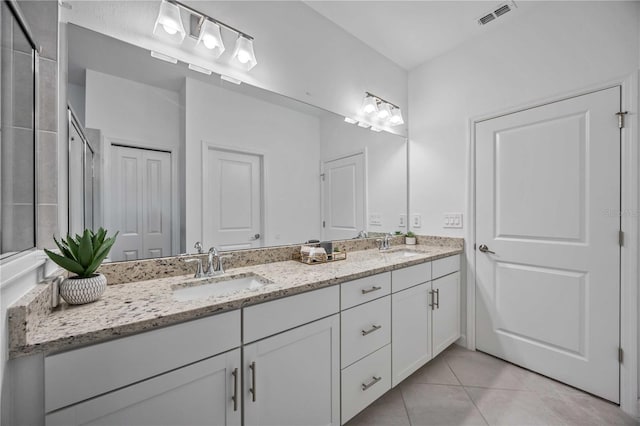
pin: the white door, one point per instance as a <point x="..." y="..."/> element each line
<point x="198" y="394"/>
<point x="343" y="197"/>
<point x="293" y="378"/>
<point x="140" y="203"/>
<point x="411" y="330"/>
<point x="548" y="298"/>
<point x="232" y="215"/>
<point x="446" y="312"/>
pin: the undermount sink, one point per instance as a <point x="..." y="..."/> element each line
<point x="218" y="287"/>
<point x="402" y="252"/>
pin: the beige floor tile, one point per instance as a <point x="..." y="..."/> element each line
<point x="436" y="371"/>
<point x="513" y="407"/>
<point x="583" y="409"/>
<point x="439" y="405"/>
<point x="481" y="370"/>
<point x="388" y="410"/>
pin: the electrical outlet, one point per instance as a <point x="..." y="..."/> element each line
<point x="453" y="220"/>
<point x="402" y="223"/>
<point x="416" y="221"/>
<point x="375" y="219"/>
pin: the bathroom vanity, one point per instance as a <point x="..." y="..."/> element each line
<point x="315" y="345"/>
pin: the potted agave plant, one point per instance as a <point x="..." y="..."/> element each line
<point x="82" y="255"/>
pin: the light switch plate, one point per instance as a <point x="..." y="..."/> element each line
<point x="453" y="220"/>
<point x="416" y="221"/>
<point x="375" y="219"/>
<point x="403" y="221"/>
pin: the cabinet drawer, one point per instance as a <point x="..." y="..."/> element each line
<point x="83" y="373"/>
<point x="279" y="315"/>
<point x="365" y="381"/>
<point x="365" y="328"/>
<point x="410" y="276"/>
<point x="365" y="289"/>
<point x="445" y="266"/>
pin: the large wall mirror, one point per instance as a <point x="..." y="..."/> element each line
<point x="18" y="118"/>
<point x="179" y="156"/>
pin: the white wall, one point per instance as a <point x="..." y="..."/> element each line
<point x="300" y="53"/>
<point x="386" y="167"/>
<point x="289" y="141"/>
<point x="76" y="96"/>
<point x="556" y="48"/>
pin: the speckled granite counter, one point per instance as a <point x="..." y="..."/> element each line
<point x="138" y="306"/>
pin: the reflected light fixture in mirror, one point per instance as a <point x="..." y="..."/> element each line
<point x="386" y="113"/>
<point x="169" y="23"/>
<point x="211" y="38"/>
<point x="396" y="117"/>
<point x="369" y="105"/>
<point x="243" y="53"/>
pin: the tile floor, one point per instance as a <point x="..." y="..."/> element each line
<point x="462" y="387"/>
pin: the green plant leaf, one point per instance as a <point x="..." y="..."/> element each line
<point x="68" y="264"/>
<point x="101" y="254"/>
<point x="73" y="247"/>
<point x="98" y="238"/>
<point x="64" y="249"/>
<point x="85" y="250"/>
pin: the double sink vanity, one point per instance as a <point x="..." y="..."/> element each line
<point x="264" y="344"/>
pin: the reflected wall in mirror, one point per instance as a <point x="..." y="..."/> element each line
<point x="18" y="65"/>
<point x="187" y="157"/>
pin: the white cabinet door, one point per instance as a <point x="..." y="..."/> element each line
<point x="446" y="315"/>
<point x="411" y="331"/>
<point x="199" y="394"/>
<point x="293" y="378"/>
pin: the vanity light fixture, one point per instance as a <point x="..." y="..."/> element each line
<point x="200" y="69"/>
<point x="169" y="22"/>
<point x="369" y="104"/>
<point x="243" y="53"/>
<point x="211" y="38"/>
<point x="205" y="30"/>
<point x="350" y="120"/>
<point x="164" y="57"/>
<point x="386" y="112"/>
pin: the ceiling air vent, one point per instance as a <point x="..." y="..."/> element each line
<point x="498" y="12"/>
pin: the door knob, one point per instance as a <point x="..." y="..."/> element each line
<point x="256" y="237"/>
<point x="483" y="248"/>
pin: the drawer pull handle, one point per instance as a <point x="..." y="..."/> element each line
<point x="373" y="381"/>
<point x="234" y="398"/>
<point x="371" y="330"/>
<point x="437" y="291"/>
<point x="432" y="305"/>
<point x="252" y="389"/>
<point x="372" y="289"/>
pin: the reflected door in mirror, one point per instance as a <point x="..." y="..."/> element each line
<point x="140" y="203"/>
<point x="343" y="196"/>
<point x="232" y="199"/>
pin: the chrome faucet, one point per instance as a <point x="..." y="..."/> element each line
<point x="199" y="273"/>
<point x="386" y="243"/>
<point x="361" y="234"/>
<point x="214" y="265"/>
<point x="198" y="247"/>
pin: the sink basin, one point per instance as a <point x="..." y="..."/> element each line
<point x="402" y="252"/>
<point x="218" y="287"/>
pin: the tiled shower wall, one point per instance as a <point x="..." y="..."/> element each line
<point x="42" y="17"/>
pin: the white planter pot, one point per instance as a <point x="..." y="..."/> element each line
<point x="77" y="291"/>
<point x="410" y="241"/>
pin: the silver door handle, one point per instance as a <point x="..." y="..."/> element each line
<point x="371" y="330"/>
<point x="373" y="381"/>
<point x="483" y="248"/>
<point x="432" y="305"/>
<point x="252" y="389"/>
<point x="437" y="302"/>
<point x="369" y="290"/>
<point x="234" y="398"/>
<point x="255" y="237"/>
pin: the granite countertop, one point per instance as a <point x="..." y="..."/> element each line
<point x="130" y="308"/>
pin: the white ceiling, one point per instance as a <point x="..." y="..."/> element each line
<point x="412" y="32"/>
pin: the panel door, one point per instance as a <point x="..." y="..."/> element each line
<point x="343" y="197"/>
<point x="199" y="394"/>
<point x="293" y="378"/>
<point x="446" y="312"/>
<point x="547" y="193"/>
<point x="140" y="203"/>
<point x="232" y="216"/>
<point x="411" y="331"/>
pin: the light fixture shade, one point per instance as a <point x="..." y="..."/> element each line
<point x="210" y="38"/>
<point x="384" y="111"/>
<point x="396" y="117"/>
<point x="169" y="23"/>
<point x="243" y="53"/>
<point x="350" y="120"/>
<point x="369" y="105"/>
